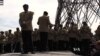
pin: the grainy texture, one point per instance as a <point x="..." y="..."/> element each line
<point x="41" y="54"/>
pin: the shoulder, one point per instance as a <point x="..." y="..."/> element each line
<point x="40" y="17"/>
<point x="44" y="17"/>
<point x="47" y="16"/>
<point x="30" y="12"/>
<point x="21" y="13"/>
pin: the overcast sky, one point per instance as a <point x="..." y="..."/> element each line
<point x="9" y="12"/>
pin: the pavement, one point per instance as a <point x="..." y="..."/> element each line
<point x="50" y="53"/>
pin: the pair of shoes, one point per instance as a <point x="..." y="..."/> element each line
<point x="31" y="52"/>
<point x="42" y="51"/>
<point x="24" y="52"/>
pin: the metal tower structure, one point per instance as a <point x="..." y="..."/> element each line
<point x="77" y="11"/>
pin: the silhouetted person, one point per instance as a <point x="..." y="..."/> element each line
<point x="25" y="22"/>
<point x="73" y="35"/>
<point x="62" y="38"/>
<point x="50" y="38"/>
<point x="17" y="40"/>
<point x="36" y="39"/>
<point x="86" y="37"/>
<point x="97" y="33"/>
<point x="44" y="23"/>
<point x="2" y="37"/>
<point x="9" y="43"/>
<point x="97" y="53"/>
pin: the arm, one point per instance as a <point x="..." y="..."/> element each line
<point x="31" y="15"/>
<point x="20" y="21"/>
<point x="38" y="21"/>
<point x="49" y="22"/>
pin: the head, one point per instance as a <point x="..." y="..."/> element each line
<point x="98" y="27"/>
<point x="17" y="29"/>
<point x="10" y="31"/>
<point x="35" y="29"/>
<point x="76" y="26"/>
<point x="61" y="26"/>
<point x="50" y="27"/>
<point x="72" y="23"/>
<point x="45" y="13"/>
<point x="25" y="7"/>
<point x="2" y="32"/>
<point x="84" y="23"/>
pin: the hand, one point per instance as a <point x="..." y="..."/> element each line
<point x="52" y="25"/>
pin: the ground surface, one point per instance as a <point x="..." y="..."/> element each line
<point x="63" y="53"/>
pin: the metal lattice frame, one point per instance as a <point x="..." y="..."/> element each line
<point x="77" y="11"/>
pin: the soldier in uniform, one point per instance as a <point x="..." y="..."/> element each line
<point x="9" y="44"/>
<point x="17" y="40"/>
<point x="66" y="39"/>
<point x="2" y="39"/>
<point x="36" y="39"/>
<point x="50" y="38"/>
<point x="44" y="23"/>
<point x="61" y="38"/>
<point x="86" y="37"/>
<point x="73" y="35"/>
<point x="25" y="21"/>
<point x="97" y="33"/>
<point x="6" y="40"/>
<point x="97" y="45"/>
<point x="55" y="40"/>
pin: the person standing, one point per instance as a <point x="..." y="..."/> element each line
<point x="86" y="38"/>
<point x="97" y="49"/>
<point x="17" y="40"/>
<point x="44" y="24"/>
<point x="9" y="44"/>
<point x="25" y="22"/>
<point x="2" y="42"/>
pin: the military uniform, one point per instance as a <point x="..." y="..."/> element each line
<point x="36" y="39"/>
<point x="44" y="24"/>
<point x="2" y="42"/>
<point x="55" y="40"/>
<point x="86" y="37"/>
<point x="97" y="45"/>
<point x="66" y="39"/>
<point x="61" y="38"/>
<point x="9" y="42"/>
<point x="25" y="22"/>
<point x="73" y="35"/>
<point x="97" y="33"/>
<point x="50" y="39"/>
<point x="17" y="41"/>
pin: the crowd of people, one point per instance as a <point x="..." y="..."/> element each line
<point x="62" y="39"/>
<point x="46" y="38"/>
